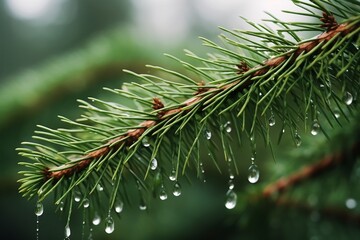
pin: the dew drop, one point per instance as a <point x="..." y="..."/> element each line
<point x="90" y="234"/>
<point x="253" y="173"/>
<point x="231" y="199"/>
<point x="163" y="195"/>
<point x="208" y="134"/>
<point x="172" y="175"/>
<point x="142" y="205"/>
<point x="39" y="209"/>
<point x="350" y="203"/>
<point x="202" y="172"/>
<point x="61" y="206"/>
<point x="231" y="184"/>
<point x="86" y="203"/>
<point x="67" y="231"/>
<point x="119" y="205"/>
<point x="272" y="120"/>
<point x="177" y="189"/>
<point x="348" y="98"/>
<point x="297" y="139"/>
<point x="337" y="113"/>
<point x="77" y="196"/>
<point x="145" y="142"/>
<point x="227" y="127"/>
<point x="315" y="128"/>
<point x="153" y="164"/>
<point x="97" y="219"/>
<point x="99" y="188"/>
<point x="109" y="225"/>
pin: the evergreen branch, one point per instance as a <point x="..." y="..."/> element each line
<point x="311" y="171"/>
<point x="104" y="146"/>
<point x="334" y="31"/>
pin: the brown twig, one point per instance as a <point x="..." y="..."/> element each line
<point x="133" y="135"/>
<point x="308" y="172"/>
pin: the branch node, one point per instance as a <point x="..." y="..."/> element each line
<point x="329" y="22"/>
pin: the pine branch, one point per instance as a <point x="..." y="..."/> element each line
<point x="154" y="130"/>
<point x="132" y="136"/>
<point x="311" y="171"/>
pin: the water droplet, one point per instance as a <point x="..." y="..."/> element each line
<point x="350" y="203"/>
<point x="67" y="231"/>
<point x="177" y="189"/>
<point x="348" y="98"/>
<point x="77" y="196"/>
<point x="253" y="173"/>
<point x="208" y="134"/>
<point x="99" y="188"/>
<point x="231" y="199"/>
<point x="202" y="172"/>
<point x="297" y="139"/>
<point x="231" y="184"/>
<point x="61" y="206"/>
<point x="315" y="128"/>
<point x="231" y="176"/>
<point x="337" y="113"/>
<point x="39" y="209"/>
<point x="272" y="120"/>
<point x="119" y="205"/>
<point x="172" y="175"/>
<point x="90" y="234"/>
<point x="86" y="203"/>
<point x="109" y="224"/>
<point x="142" y="205"/>
<point x="153" y="164"/>
<point x="145" y="142"/>
<point x="227" y="127"/>
<point x="97" y="219"/>
<point x="163" y="195"/>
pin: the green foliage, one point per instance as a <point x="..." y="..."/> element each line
<point x="160" y="128"/>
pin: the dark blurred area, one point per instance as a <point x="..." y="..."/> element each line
<point x="30" y="34"/>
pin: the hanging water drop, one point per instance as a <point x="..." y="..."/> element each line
<point x="253" y="173"/>
<point x="119" y="205"/>
<point x="90" y="234"/>
<point x="99" y="188"/>
<point x="337" y="113"/>
<point x="39" y="209"/>
<point x="67" y="231"/>
<point x="315" y="128"/>
<point x="142" y="205"/>
<point x="348" y="98"/>
<point x="61" y="206"/>
<point x="153" y="164"/>
<point x="163" y="195"/>
<point x="145" y="142"/>
<point x="97" y="219"/>
<point x="86" y="203"/>
<point x="231" y="184"/>
<point x="172" y="175"/>
<point x="109" y="224"/>
<point x="231" y="199"/>
<point x="177" y="189"/>
<point x="227" y="127"/>
<point x="272" y="120"/>
<point x="77" y="196"/>
<point x="202" y="172"/>
<point x="208" y="134"/>
<point x="297" y="139"/>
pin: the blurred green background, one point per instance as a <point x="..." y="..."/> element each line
<point x="53" y="52"/>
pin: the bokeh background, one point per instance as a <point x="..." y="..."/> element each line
<point x="53" y="52"/>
